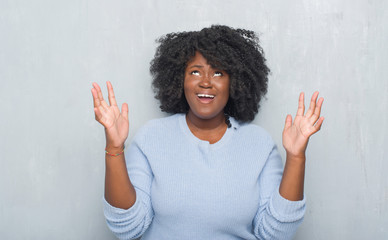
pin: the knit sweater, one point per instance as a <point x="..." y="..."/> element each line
<point x="187" y="188"/>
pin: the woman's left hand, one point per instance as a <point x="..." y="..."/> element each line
<point x="296" y="134"/>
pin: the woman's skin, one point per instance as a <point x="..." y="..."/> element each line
<point x="206" y="118"/>
<point x="119" y="191"/>
<point x="206" y="121"/>
<point x="296" y="135"/>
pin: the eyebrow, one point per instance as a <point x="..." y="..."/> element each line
<point x="198" y="66"/>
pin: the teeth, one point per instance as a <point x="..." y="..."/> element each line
<point x="205" y="95"/>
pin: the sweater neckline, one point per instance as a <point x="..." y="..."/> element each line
<point x="224" y="139"/>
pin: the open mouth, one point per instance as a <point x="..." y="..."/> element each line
<point x="205" y="98"/>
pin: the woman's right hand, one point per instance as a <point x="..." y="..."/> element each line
<point x="116" y="124"/>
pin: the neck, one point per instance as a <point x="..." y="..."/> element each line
<point x="205" y="124"/>
<point x="210" y="130"/>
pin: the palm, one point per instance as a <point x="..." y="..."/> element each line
<point x="116" y="124"/>
<point x="296" y="134"/>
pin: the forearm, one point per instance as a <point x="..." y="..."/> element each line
<point x="280" y="213"/>
<point x="119" y="191"/>
<point x="128" y="213"/>
<point x="292" y="184"/>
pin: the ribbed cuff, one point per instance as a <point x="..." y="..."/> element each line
<point x="285" y="210"/>
<point x="113" y="213"/>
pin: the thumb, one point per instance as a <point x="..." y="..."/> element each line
<point x="288" y="122"/>
<point x="124" y="111"/>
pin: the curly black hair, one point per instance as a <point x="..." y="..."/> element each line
<point x="236" y="51"/>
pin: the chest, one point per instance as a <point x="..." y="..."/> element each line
<point x="202" y="185"/>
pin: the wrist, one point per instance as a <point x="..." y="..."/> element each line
<point x="114" y="149"/>
<point x="297" y="159"/>
<point x="114" y="152"/>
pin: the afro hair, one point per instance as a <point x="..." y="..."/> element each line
<point x="236" y="51"/>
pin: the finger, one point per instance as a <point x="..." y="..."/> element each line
<point x="96" y="100"/>
<point x="98" y="89"/>
<point x="99" y="94"/>
<point x="124" y="111"/>
<point x="300" y="111"/>
<point x="98" y="114"/>
<point x="313" y="101"/>
<point x="288" y="122"/>
<point x="318" y="125"/>
<point x="317" y="111"/>
<point x="111" y="94"/>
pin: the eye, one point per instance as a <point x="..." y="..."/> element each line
<point x="195" y="72"/>
<point x="218" y="74"/>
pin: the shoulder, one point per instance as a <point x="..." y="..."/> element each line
<point x="161" y="124"/>
<point x="252" y="138"/>
<point x="252" y="131"/>
<point x="157" y="128"/>
<point x="252" y="142"/>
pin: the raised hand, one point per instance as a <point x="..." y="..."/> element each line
<point x="296" y="134"/>
<point x="116" y="124"/>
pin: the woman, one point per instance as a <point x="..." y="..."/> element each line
<point x="205" y="172"/>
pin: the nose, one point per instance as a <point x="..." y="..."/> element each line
<point x="205" y="82"/>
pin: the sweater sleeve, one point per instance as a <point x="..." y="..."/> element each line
<point x="277" y="217"/>
<point x="133" y="222"/>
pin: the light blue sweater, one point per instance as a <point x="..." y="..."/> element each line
<point x="187" y="188"/>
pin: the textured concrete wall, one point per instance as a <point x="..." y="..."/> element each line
<point x="51" y="149"/>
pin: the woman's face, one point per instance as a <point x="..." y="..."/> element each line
<point x="206" y="88"/>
